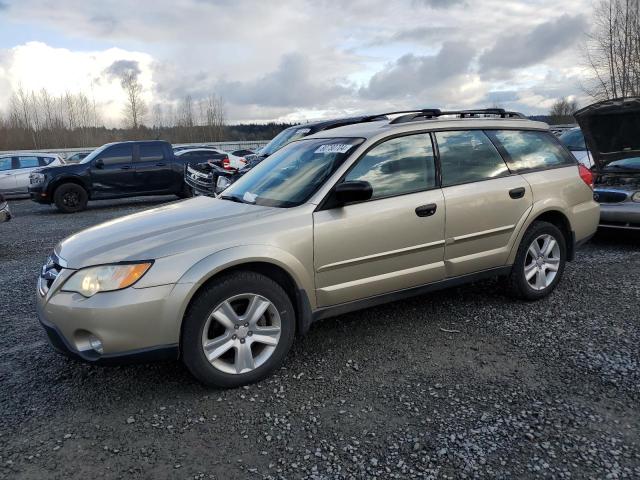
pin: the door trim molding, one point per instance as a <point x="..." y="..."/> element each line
<point x="483" y="233"/>
<point x="377" y="256"/>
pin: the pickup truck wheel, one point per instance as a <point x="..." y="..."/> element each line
<point x="70" y="198"/>
<point x="539" y="263"/>
<point x="186" y="192"/>
<point x="237" y="330"/>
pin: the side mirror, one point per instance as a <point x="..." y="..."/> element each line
<point x="99" y="163"/>
<point x="354" y="191"/>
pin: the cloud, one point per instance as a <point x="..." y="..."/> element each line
<point x="120" y="68"/>
<point x="411" y="74"/>
<point x="419" y="34"/>
<point x="439" y="3"/>
<point x="522" y="49"/>
<point x="291" y="84"/>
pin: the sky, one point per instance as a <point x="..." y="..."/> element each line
<point x="297" y="60"/>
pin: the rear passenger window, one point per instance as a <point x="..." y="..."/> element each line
<point x="398" y="166"/>
<point x="5" y="164"/>
<point x="468" y="156"/>
<point x="530" y="150"/>
<point x="151" y="153"/>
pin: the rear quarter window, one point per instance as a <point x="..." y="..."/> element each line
<point x="531" y="150"/>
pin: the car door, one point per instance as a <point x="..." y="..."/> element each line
<point x="112" y="172"/>
<point x="153" y="171"/>
<point x="485" y="203"/>
<point x="391" y="242"/>
<point x="7" y="175"/>
<point x="25" y="165"/>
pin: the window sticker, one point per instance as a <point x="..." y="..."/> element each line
<point x="334" y="148"/>
<point x="303" y="131"/>
<point x="249" y="197"/>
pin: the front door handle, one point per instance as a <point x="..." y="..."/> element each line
<point x="160" y="164"/>
<point x="517" y="192"/>
<point x="125" y="167"/>
<point x="426" y="210"/>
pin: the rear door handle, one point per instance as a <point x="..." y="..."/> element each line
<point x="426" y="210"/>
<point x="517" y="192"/>
<point x="160" y="164"/>
<point x="125" y="167"/>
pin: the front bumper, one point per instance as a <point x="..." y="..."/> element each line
<point x="131" y="324"/>
<point x="625" y="215"/>
<point x="200" y="183"/>
<point x="38" y="193"/>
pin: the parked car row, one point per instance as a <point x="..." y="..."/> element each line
<point x="349" y="217"/>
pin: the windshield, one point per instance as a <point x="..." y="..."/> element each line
<point x="284" y="137"/>
<point x="291" y="175"/>
<point x="94" y="154"/>
<point x="573" y="139"/>
<point x="625" y="164"/>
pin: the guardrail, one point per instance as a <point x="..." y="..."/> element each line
<point x="227" y="146"/>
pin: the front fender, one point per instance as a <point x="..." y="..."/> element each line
<point x="184" y="290"/>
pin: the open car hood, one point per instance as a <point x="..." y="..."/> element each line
<point x="611" y="129"/>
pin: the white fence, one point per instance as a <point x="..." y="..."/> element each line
<point x="226" y="146"/>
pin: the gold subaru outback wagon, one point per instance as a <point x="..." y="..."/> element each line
<point x="384" y="208"/>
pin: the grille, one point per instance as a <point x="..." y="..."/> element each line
<point x="604" y="196"/>
<point x="50" y="271"/>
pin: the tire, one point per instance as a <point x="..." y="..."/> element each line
<point x="229" y="335"/>
<point x="70" y="198"/>
<point x="186" y="192"/>
<point x="544" y="278"/>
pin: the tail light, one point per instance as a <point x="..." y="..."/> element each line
<point x="586" y="175"/>
<point x="226" y="163"/>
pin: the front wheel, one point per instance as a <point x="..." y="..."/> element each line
<point x="185" y="192"/>
<point x="238" y="330"/>
<point x="70" y="198"/>
<point x="539" y="263"/>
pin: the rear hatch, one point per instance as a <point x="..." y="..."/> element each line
<point x="612" y="133"/>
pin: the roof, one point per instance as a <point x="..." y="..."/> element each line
<point x="385" y="127"/>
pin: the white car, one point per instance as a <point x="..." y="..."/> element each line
<point x="16" y="167"/>
<point x="573" y="139"/>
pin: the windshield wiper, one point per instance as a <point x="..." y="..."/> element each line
<point x="232" y="198"/>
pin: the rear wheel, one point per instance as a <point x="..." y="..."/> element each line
<point x="70" y="198"/>
<point x="539" y="263"/>
<point x="238" y="330"/>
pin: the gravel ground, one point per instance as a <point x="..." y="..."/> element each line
<point x="546" y="389"/>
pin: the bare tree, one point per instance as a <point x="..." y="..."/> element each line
<point x="562" y="111"/>
<point x="612" y="50"/>
<point x="215" y="117"/>
<point x="135" y="109"/>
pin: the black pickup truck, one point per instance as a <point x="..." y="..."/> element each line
<point x="115" y="170"/>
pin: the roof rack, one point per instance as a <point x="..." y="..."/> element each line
<point x="427" y="113"/>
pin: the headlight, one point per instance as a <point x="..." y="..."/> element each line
<point x="222" y="183"/>
<point x="36" y="177"/>
<point x="105" y="278"/>
<point x="636" y="197"/>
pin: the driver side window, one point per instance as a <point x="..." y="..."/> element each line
<point x="398" y="166"/>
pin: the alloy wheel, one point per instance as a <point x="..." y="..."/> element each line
<point x="71" y="199"/>
<point x="241" y="333"/>
<point x="542" y="262"/>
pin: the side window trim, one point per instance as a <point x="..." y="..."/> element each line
<point x="435" y="142"/>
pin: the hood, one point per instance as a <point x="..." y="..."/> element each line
<point x="611" y="129"/>
<point x="61" y="168"/>
<point x="160" y="232"/>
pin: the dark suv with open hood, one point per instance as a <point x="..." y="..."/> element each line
<point x="612" y="133"/>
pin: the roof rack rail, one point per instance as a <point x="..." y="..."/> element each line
<point x="415" y="115"/>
